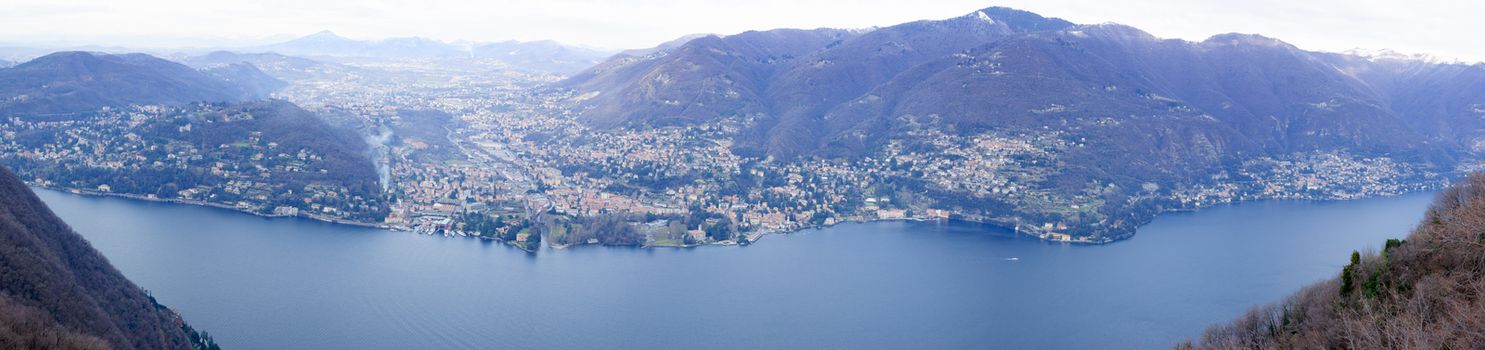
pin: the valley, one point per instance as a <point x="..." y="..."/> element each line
<point x="671" y="147"/>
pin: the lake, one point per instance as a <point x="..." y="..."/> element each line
<point x="261" y="283"/>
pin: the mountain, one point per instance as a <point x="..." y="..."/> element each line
<point x="787" y="78"/>
<point x="545" y="55"/>
<point x="6" y="64"/>
<point x="665" y="46"/>
<point x="70" y="82"/>
<point x="248" y="77"/>
<point x="705" y="78"/>
<point x="1121" y="111"/>
<point x="1443" y="100"/>
<point x="59" y="292"/>
<point x="270" y="62"/>
<point x="282" y="67"/>
<point x="1425" y="292"/>
<point x="341" y="154"/>
<point x="19" y="54"/>
<point x="326" y="43"/>
<point x="991" y="68"/>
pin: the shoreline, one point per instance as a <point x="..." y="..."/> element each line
<point x="233" y="208"/>
<point x="752" y="237"/>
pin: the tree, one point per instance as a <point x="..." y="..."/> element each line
<point x="719" y="232"/>
<point x="533" y="242"/>
<point x="1348" y="273"/>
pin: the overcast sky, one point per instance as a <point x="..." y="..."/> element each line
<point x="1448" y="28"/>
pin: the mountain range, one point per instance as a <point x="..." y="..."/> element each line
<point x="279" y="66"/>
<point x="326" y="43"/>
<point x="267" y="61"/>
<point x="545" y="56"/>
<point x="833" y="92"/>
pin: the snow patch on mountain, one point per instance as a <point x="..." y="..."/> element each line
<point x="1391" y="55"/>
<point x="984" y="17"/>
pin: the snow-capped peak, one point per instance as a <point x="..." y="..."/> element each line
<point x="1390" y="55"/>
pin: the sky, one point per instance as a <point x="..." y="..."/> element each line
<point x="1445" y="28"/>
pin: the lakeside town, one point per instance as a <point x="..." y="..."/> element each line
<point x="499" y="156"/>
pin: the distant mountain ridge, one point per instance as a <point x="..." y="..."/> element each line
<point x="71" y="82"/>
<point x="545" y="55"/>
<point x="327" y="43"/>
<point x="287" y="68"/>
<point x="248" y="77"/>
<point x="266" y="61"/>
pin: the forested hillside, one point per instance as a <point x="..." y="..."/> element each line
<point x="57" y="292"/>
<point x="1424" y="292"/>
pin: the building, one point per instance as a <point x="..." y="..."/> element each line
<point x="286" y="211"/>
<point x="891" y="214"/>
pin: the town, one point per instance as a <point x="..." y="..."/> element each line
<point x="486" y="152"/>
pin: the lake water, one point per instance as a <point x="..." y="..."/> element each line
<point x="258" y="283"/>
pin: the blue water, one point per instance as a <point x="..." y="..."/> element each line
<point x="257" y="283"/>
